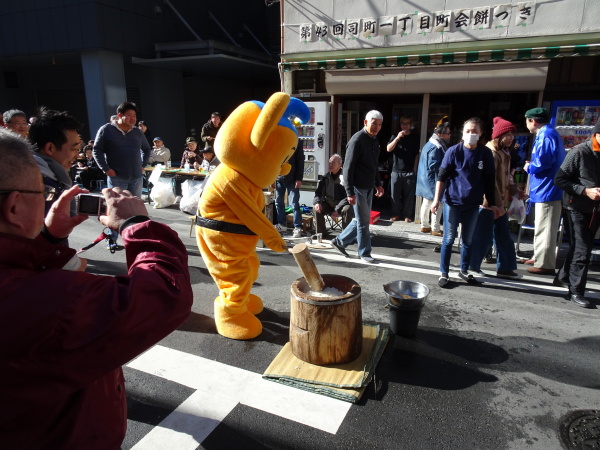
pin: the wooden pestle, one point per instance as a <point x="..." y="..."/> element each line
<point x="307" y="266"/>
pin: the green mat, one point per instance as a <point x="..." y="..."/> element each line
<point x="345" y="382"/>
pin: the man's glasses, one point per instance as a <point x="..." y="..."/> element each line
<point x="48" y="192"/>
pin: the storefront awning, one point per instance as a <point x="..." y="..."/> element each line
<point x="520" y="54"/>
<point x="512" y="76"/>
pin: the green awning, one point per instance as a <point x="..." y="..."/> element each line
<point x="517" y="54"/>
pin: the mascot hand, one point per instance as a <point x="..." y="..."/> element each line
<point x="277" y="245"/>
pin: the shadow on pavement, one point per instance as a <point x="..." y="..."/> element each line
<point x="435" y="359"/>
<point x="199" y="323"/>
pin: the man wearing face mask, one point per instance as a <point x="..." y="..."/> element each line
<point x="427" y="176"/>
<point x="466" y="175"/>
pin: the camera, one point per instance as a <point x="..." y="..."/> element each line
<point x="91" y="204"/>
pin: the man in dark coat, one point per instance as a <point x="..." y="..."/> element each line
<point x="579" y="178"/>
<point x="210" y="129"/>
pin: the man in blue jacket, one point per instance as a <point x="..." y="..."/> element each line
<point x="547" y="154"/>
<point x="122" y="151"/>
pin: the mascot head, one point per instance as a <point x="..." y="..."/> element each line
<point x="258" y="139"/>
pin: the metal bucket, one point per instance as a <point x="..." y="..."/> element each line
<point x="405" y="300"/>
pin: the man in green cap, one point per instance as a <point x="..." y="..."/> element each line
<point x="547" y="154"/>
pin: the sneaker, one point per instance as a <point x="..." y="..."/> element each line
<point x="468" y="277"/>
<point x="369" y="259"/>
<point x="444" y="280"/>
<point x="111" y="246"/>
<point x="338" y="246"/>
<point x="297" y="233"/>
<point x="489" y="260"/>
<point x="178" y="199"/>
<point x="280" y="228"/>
<point x="510" y="274"/>
<point x="479" y="272"/>
<point x="437" y="248"/>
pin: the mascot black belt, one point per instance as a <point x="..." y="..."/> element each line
<point x="219" y="225"/>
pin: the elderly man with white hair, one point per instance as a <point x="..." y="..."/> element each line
<point x="361" y="175"/>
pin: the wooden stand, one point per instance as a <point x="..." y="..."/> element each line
<point x="326" y="330"/>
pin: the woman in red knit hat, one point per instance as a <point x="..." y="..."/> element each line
<point x="487" y="228"/>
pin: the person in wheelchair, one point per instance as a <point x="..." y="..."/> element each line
<point x="330" y="198"/>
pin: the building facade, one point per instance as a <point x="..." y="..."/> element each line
<point x="178" y="60"/>
<point x="436" y="58"/>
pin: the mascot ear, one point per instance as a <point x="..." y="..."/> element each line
<point x="268" y="119"/>
<point x="298" y="109"/>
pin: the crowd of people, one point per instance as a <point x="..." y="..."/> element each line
<point x="64" y="375"/>
<point x="471" y="185"/>
<point x="468" y="185"/>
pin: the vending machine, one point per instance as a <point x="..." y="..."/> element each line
<point x="315" y="136"/>
<point x="574" y="120"/>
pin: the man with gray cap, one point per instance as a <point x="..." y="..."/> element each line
<point x="159" y="153"/>
<point x="547" y="154"/>
<point x="579" y="178"/>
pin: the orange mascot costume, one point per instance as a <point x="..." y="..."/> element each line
<point x="253" y="145"/>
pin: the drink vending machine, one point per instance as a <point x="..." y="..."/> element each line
<point x="574" y="120"/>
<point x="315" y="136"/>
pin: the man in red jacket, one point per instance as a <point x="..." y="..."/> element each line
<point x="65" y="334"/>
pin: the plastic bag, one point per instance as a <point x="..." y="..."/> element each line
<point x="516" y="211"/>
<point x="162" y="193"/>
<point x="191" y="190"/>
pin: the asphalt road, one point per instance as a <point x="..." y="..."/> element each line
<point x="493" y="366"/>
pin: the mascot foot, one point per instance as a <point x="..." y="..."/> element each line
<point x="255" y="304"/>
<point x="236" y="326"/>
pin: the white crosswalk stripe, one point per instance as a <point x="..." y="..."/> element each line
<point x="219" y="388"/>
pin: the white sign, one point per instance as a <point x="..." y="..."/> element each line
<point x="387" y="25"/>
<point x="481" y="18"/>
<point x="502" y="16"/>
<point x="424" y="23"/>
<point x="442" y="21"/>
<point x="524" y="14"/>
<point x="447" y="21"/>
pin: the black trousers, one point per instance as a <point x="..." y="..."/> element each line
<point x="347" y="216"/>
<point x="403" y="186"/>
<point x="581" y="240"/>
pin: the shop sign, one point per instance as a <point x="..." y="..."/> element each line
<point x="448" y="21"/>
